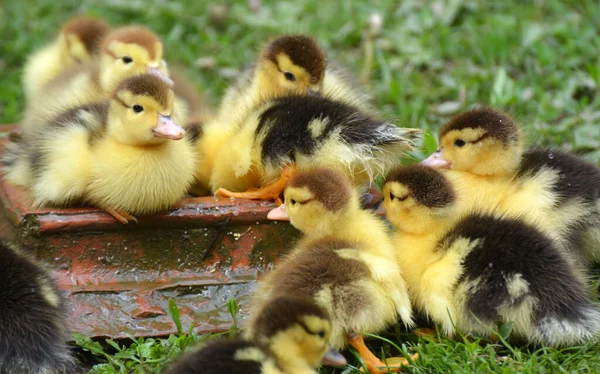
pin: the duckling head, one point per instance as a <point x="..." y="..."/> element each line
<point x="417" y="198"/>
<point x="291" y="64"/>
<point x="297" y="331"/>
<point x="130" y="51"/>
<point x="316" y="201"/>
<point x="80" y="38"/>
<point x="141" y="112"/>
<point x="481" y="141"/>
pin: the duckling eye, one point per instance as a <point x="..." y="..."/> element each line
<point x="392" y="196"/>
<point x="321" y="334"/>
<point x="459" y="143"/>
<point x="293" y="202"/>
<point x="289" y="76"/>
<point x="137" y="108"/>
<point x="127" y="59"/>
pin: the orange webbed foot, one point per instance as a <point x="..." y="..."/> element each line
<point x="123" y="217"/>
<point x="374" y="364"/>
<point x="271" y="191"/>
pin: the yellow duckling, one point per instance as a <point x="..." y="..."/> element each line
<point x="79" y="39"/>
<point x="289" y="336"/>
<point x="469" y="272"/>
<point x="345" y="261"/>
<point x="303" y="132"/>
<point x="33" y="317"/>
<point x="125" y="52"/>
<point x="288" y="65"/>
<point x="120" y="155"/>
<point x="556" y="190"/>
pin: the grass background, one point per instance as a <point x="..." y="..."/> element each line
<point x="539" y="60"/>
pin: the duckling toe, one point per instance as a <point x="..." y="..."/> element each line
<point x="123" y="217"/>
<point x="271" y="191"/>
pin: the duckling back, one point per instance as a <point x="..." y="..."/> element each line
<point x="310" y="132"/>
<point x="32" y="319"/>
<point x="512" y="272"/>
<point x="561" y="193"/>
<point x="332" y="273"/>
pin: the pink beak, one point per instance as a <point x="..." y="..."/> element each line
<point x="436" y="160"/>
<point x="380" y="211"/>
<point x="166" y="128"/>
<point x="157" y="72"/>
<point x="278" y="214"/>
<point x="334" y="358"/>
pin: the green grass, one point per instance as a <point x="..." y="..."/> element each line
<point x="539" y="60"/>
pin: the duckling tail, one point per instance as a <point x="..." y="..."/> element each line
<point x="579" y="325"/>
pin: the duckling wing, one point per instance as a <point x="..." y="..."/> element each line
<point x="312" y="131"/>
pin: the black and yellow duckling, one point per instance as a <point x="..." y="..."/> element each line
<point x="289" y="336"/>
<point x="302" y="132"/>
<point x="288" y="65"/>
<point x="345" y="261"/>
<point x="470" y="272"/>
<point x="125" y="52"/>
<point x="124" y="155"/>
<point x="77" y="42"/>
<point x="560" y="192"/>
<point x="33" y="330"/>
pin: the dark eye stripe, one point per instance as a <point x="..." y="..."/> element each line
<point x="308" y="330"/>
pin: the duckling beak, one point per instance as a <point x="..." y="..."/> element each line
<point x="333" y="358"/>
<point x="278" y="214"/>
<point x="166" y="128"/>
<point x="380" y="211"/>
<point x="157" y="72"/>
<point x="436" y="160"/>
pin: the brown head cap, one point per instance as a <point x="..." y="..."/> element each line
<point x="147" y="85"/>
<point x="284" y="311"/>
<point x="496" y="125"/>
<point x="303" y="51"/>
<point x="135" y="35"/>
<point x="330" y="188"/>
<point x="427" y="185"/>
<point x="89" y="30"/>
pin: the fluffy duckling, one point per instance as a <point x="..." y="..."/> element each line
<point x="121" y="155"/>
<point x="32" y="320"/>
<point x="289" y="336"/>
<point x="125" y="52"/>
<point x="473" y="271"/>
<point x="558" y="191"/>
<point x="289" y="65"/>
<point x="79" y="39"/>
<point x="303" y="132"/>
<point x="345" y="261"/>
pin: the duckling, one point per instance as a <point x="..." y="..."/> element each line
<point x="469" y="272"/>
<point x="558" y="191"/>
<point x="290" y="336"/>
<point x="121" y="155"/>
<point x="289" y="65"/>
<point x="345" y="261"/>
<point x="33" y="317"/>
<point x="79" y="39"/>
<point x="125" y="52"/>
<point x="302" y="132"/>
